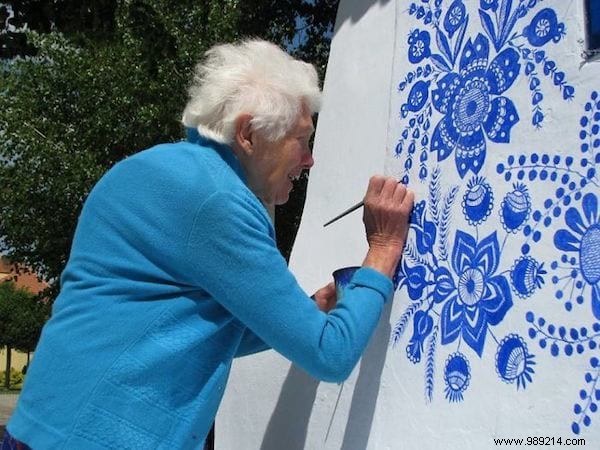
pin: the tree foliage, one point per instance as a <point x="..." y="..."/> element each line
<point x="22" y="316"/>
<point x="94" y="81"/>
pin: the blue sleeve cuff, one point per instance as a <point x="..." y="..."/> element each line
<point x="371" y="278"/>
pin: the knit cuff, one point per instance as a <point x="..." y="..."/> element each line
<point x="371" y="278"/>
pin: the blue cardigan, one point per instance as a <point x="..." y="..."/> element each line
<point x="173" y="272"/>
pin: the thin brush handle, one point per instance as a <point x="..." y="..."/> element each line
<point x="345" y="213"/>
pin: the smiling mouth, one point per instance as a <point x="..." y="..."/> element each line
<point x="294" y="178"/>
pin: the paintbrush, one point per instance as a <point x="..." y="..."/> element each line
<point x="345" y="213"/>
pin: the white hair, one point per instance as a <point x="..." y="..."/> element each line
<point x="250" y="77"/>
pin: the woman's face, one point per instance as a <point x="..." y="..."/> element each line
<point x="274" y="165"/>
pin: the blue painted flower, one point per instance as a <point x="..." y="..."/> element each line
<point x="515" y="208"/>
<point x="424" y="229"/>
<point x="543" y="27"/>
<point x="481" y="298"/>
<point x="478" y="201"/>
<point x="513" y="361"/>
<point x="418" y="46"/>
<point x="473" y="106"/>
<point x="488" y="4"/>
<point x="583" y="237"/>
<point x="414" y="280"/>
<point x="457" y="374"/>
<point x="422" y="326"/>
<point x="455" y="16"/>
<point x="526" y="276"/>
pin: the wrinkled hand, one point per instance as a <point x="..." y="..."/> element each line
<point x="388" y="205"/>
<point x="325" y="297"/>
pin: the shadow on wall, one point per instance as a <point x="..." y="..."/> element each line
<point x="354" y="10"/>
<point x="288" y="425"/>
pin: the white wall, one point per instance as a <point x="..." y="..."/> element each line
<point x="468" y="375"/>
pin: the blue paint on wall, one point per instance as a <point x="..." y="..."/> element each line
<point x="460" y="281"/>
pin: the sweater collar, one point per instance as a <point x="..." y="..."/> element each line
<point x="224" y="151"/>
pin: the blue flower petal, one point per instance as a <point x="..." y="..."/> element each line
<point x="475" y="54"/>
<point x="590" y="208"/>
<point x="574" y="221"/>
<point x="564" y="240"/>
<point x="463" y="252"/>
<point x="470" y="153"/>
<point x="500" y="120"/>
<point x="474" y="332"/>
<point x="503" y="71"/>
<point x="487" y="256"/>
<point x="451" y="322"/>
<point x="596" y="300"/>
<point x="499" y="301"/>
<point x="444" y="138"/>
<point x="446" y="88"/>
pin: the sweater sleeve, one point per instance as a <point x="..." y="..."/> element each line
<point x="251" y="344"/>
<point x="232" y="256"/>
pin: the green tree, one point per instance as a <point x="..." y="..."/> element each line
<point x="22" y="316"/>
<point x="96" y="81"/>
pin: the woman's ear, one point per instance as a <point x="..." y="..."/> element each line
<point x="244" y="134"/>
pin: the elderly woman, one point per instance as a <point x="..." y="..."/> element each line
<point x="174" y="270"/>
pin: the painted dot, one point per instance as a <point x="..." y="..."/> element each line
<point x="556" y="211"/>
<point x="568" y="349"/>
<point x="554" y="265"/>
<point x="575" y="428"/>
<point x="564" y="258"/>
<point x="567" y="200"/>
<point x="548" y="203"/>
<point x="529" y="317"/>
<point x="507" y="176"/>
<point x="543" y="175"/>
<point x="584" y="121"/>
<point x="565" y="179"/>
<point x="588" y="106"/>
<point x="593" y="407"/>
<point x="532" y="175"/>
<point x="547" y="221"/>
<point x="568" y="306"/>
<point x="579" y="284"/>
<point x="559" y="294"/>
<point x="551" y="329"/>
<point x="534" y="158"/>
<point x="543" y="343"/>
<point x="537" y="215"/>
<point x="537" y="236"/>
<point x="583" y="331"/>
<point x="577" y="408"/>
<point x="556" y="159"/>
<point x="572" y="186"/>
<point x="532" y="333"/>
<point x="587" y="421"/>
<point x="525" y="249"/>
<point x="554" y="350"/>
<point x="582" y="135"/>
<point x="522" y="160"/>
<point x="560" y="192"/>
<point x="580" y="349"/>
<point x="579" y="299"/>
<point x="592" y="345"/>
<point x="573" y="260"/>
<point x="577" y="196"/>
<point x="545" y="159"/>
<point x="591" y="172"/>
<point x="500" y="168"/>
<point x="585" y="148"/>
<point x="553" y="176"/>
<point x="569" y="160"/>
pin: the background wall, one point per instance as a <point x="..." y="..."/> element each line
<point x="491" y="113"/>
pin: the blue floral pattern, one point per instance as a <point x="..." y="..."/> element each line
<point x="471" y="256"/>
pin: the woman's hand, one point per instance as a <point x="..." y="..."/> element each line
<point x="388" y="205"/>
<point x="325" y="297"/>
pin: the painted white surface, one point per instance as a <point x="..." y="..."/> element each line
<point x="270" y="405"/>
